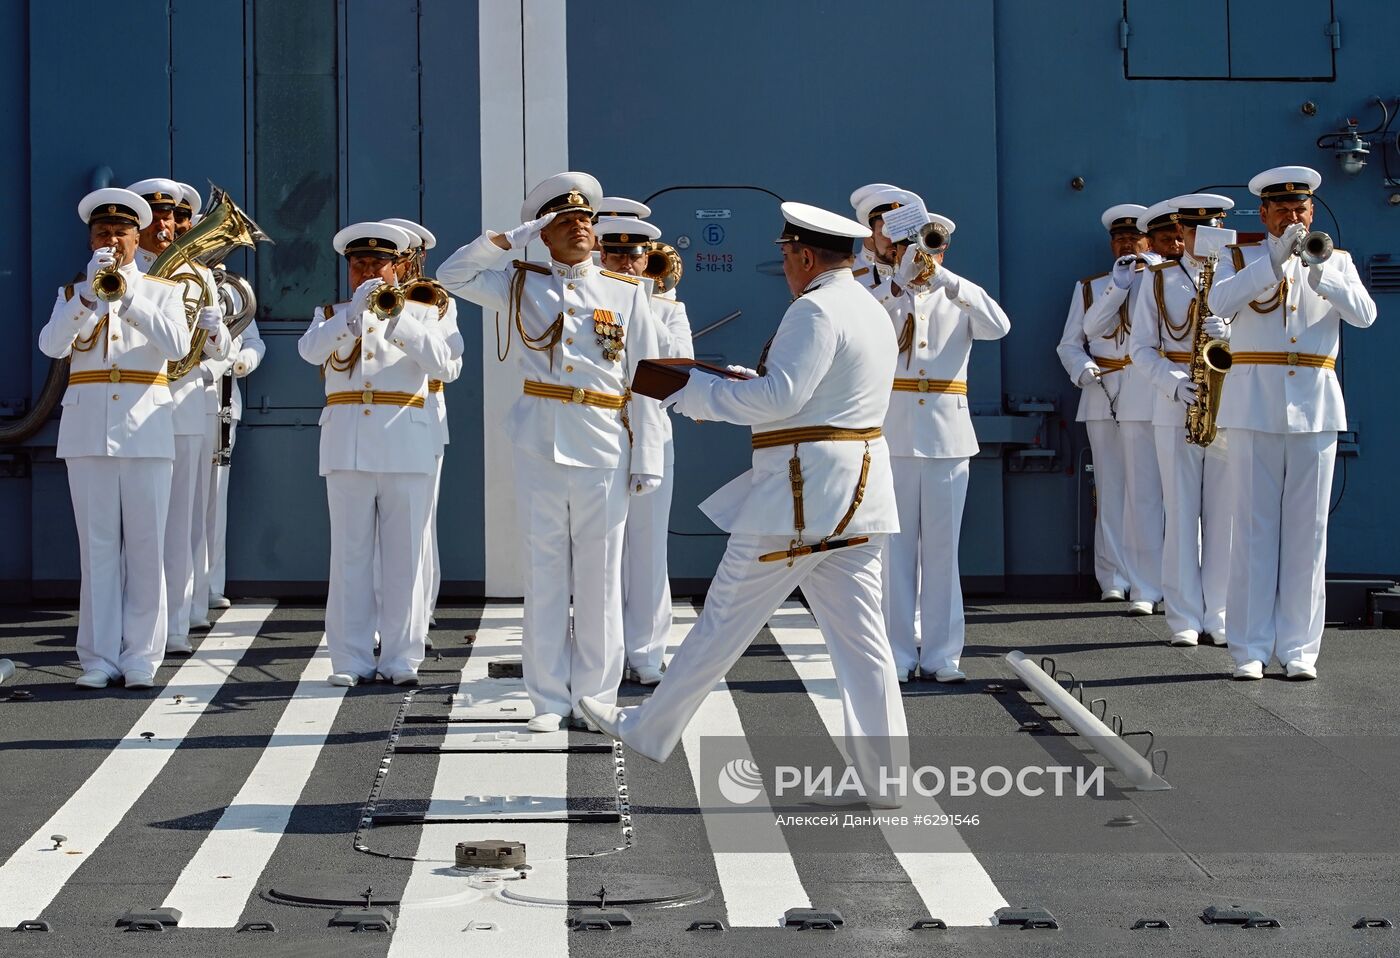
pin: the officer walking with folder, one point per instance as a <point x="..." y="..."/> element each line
<point x="813" y="512"/>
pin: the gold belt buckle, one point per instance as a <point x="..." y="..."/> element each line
<point x="923" y="385"/>
<point x="576" y="395"/>
<point x="115" y="375"/>
<point x="1292" y="359"/>
<point x="367" y="397"/>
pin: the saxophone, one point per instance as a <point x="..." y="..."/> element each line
<point x="1210" y="361"/>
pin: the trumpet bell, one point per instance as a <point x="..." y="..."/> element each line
<point x="1315" y="248"/>
<point x="931" y="239"/>
<point x="109" y="285"/>
<point x="663" y="267"/>
<point x="387" y="301"/>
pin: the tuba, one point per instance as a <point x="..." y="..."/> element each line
<point x="222" y="230"/>
<point x="663" y="266"/>
<point x="1210" y="361"/>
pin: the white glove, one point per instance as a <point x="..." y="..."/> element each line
<point x="1284" y="249"/>
<point x="945" y="280"/>
<point x="525" y="233"/>
<point x="1186" y="392"/>
<point x="210" y="319"/>
<point x="641" y="484"/>
<point x="102" y="257"/>
<point x="1213" y="327"/>
<point x="359" y="302"/>
<point x="1123" y="268"/>
<point x="908" y="269"/>
<point x="744" y="370"/>
<point x="1089" y="375"/>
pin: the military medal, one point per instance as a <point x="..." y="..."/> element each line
<point x="609" y="332"/>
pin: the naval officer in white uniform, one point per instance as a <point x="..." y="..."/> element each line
<point x="117" y="439"/>
<point x="379" y="456"/>
<point x="583" y="443"/>
<point x="185" y="546"/>
<point x="410" y="267"/>
<point x="875" y="259"/>
<point x="1116" y="408"/>
<point x="821" y="478"/>
<point x="1281" y="408"/>
<point x="646" y="583"/>
<point x="937" y="315"/>
<point x="1196" y="550"/>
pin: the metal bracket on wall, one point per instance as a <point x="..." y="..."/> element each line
<point x="1020" y="434"/>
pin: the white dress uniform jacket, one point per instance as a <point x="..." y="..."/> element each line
<point x="939" y="338"/>
<point x="830" y="364"/>
<point x="1281" y="415"/>
<point x="245" y="355"/>
<point x="394" y="356"/>
<point x="646" y="584"/>
<point x="1196" y="550"/>
<point x="117" y="436"/>
<point x="129" y="420"/>
<point x="569" y="433"/>
<point x="1107" y="325"/>
<point x="1282" y="398"/>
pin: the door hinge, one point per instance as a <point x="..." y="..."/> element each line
<point x="1124" y="31"/>
<point x="1334" y="31"/>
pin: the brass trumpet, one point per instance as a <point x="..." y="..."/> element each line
<point x="931" y="239"/>
<point x="108" y="283"/>
<point x="387" y="301"/>
<point x="429" y="292"/>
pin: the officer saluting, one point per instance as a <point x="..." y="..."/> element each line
<point x="582" y="442"/>
<point x="811" y="513"/>
<point x="1281" y="409"/>
<point x="119" y="328"/>
<point x="379" y="456"/>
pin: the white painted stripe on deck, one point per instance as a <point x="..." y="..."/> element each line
<point x="439" y="903"/>
<point x="953" y="885"/>
<point x="215" y="886"/>
<point x="758" y="886"/>
<point x="35" y="874"/>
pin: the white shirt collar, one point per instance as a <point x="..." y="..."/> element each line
<point x="577" y="271"/>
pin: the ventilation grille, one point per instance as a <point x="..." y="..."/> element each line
<point x="1383" y="273"/>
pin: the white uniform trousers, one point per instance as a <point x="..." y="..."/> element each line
<point x="646" y="582"/>
<point x="921" y="563"/>
<point x="1196" y="552"/>
<point x="432" y="563"/>
<point x="120" y="508"/>
<point x="189" y="475"/>
<point x="392" y="506"/>
<point x="843" y="589"/>
<point x="1280" y="491"/>
<point x="199" y="529"/>
<point x="1144" y="520"/>
<point x="572" y="519"/>
<point x="1110" y="498"/>
<point x="217" y="523"/>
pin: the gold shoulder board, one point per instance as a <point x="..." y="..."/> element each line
<point x="532" y="267"/>
<point x="1164" y="264"/>
<point x="860" y="272"/>
<point x="622" y="276"/>
<point x="1089" y="279"/>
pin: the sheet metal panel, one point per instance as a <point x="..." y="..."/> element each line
<point x="1281" y="38"/>
<point x="1183" y="38"/>
<point x="381" y="131"/>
